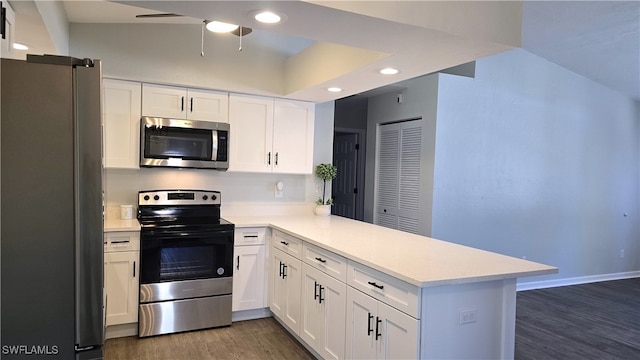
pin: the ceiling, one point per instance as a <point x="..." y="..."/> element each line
<point x="346" y="43"/>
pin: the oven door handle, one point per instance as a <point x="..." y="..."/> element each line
<point x="158" y="234"/>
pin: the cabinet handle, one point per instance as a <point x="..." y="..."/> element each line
<point x="369" y="328"/>
<point x="134" y="268"/>
<point x="375" y="285"/>
<point x="191" y="104"/>
<point x="238" y="264"/>
<point x="250" y="236"/>
<point x="280" y="273"/>
<point x="276" y="158"/>
<point x="182" y="104"/>
<point x="378" y="322"/>
<point x="321" y="260"/>
<point x="120" y="242"/>
<point x="315" y="290"/>
<point x="320" y="294"/>
<point x="269" y="158"/>
<point x="284" y="243"/>
<point x="284" y="271"/>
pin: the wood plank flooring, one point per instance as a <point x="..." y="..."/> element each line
<point x="255" y="339"/>
<point x="590" y="321"/>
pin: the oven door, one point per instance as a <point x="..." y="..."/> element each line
<point x="168" y="255"/>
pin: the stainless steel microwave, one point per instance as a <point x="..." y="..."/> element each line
<point x="184" y="143"/>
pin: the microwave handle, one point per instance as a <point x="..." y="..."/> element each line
<point x="214" y="145"/>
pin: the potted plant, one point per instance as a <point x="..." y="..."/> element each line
<point x="325" y="172"/>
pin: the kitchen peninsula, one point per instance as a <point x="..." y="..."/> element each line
<point x="349" y="289"/>
<point x="434" y="299"/>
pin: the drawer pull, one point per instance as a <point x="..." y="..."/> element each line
<point x="120" y="242"/>
<point x="284" y="243"/>
<point x="321" y="260"/>
<point x="251" y="236"/>
<point x="369" y="328"/>
<point x="375" y="285"/>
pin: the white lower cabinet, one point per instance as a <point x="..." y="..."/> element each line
<point x="248" y="278"/>
<point x="375" y="330"/>
<point x="322" y="324"/>
<point x="249" y="269"/>
<point x="121" y="270"/>
<point x="285" y="288"/>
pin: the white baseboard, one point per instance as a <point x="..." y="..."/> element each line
<point x="122" y="330"/>
<point x="576" y="280"/>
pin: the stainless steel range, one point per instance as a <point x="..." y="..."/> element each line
<point x="186" y="262"/>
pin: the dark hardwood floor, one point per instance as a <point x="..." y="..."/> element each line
<point x="590" y="321"/>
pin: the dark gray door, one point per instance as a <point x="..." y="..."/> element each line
<point x="345" y="158"/>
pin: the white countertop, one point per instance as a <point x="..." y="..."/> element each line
<point x="115" y="224"/>
<point x="418" y="260"/>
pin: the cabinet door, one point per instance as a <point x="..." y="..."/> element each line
<point x="248" y="278"/>
<point x="361" y="325"/>
<point x="6" y="47"/>
<point x="121" y="287"/>
<point x="400" y="334"/>
<point x="251" y="140"/>
<point x="293" y="137"/>
<point x="312" y="317"/>
<point x="121" y="116"/>
<point x="208" y="105"/>
<point x="164" y="101"/>
<point x="334" y="308"/>
<point x="278" y="285"/>
<point x="293" y="277"/>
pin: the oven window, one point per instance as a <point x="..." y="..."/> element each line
<point x="172" y="142"/>
<point x="186" y="263"/>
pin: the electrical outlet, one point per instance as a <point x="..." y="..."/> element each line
<point x="622" y="254"/>
<point x="468" y="316"/>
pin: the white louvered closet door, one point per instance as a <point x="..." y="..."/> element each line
<point x="398" y="178"/>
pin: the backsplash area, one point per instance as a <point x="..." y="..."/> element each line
<point x="240" y="191"/>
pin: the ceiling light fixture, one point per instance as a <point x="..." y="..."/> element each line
<point x="18" y="46"/>
<point x="221" y="27"/>
<point x="389" y="71"/>
<point x="334" y="89"/>
<point x="267" y="17"/>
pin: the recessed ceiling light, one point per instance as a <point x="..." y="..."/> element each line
<point x="19" y="46"/>
<point x="334" y="89"/>
<point x="389" y="71"/>
<point x="221" y="27"/>
<point x="267" y="17"/>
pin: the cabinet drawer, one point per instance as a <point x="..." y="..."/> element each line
<point x="121" y="241"/>
<point x="396" y="293"/>
<point x="249" y="236"/>
<point x="330" y="263"/>
<point x="287" y="243"/>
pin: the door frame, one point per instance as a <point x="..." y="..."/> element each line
<point x="360" y="170"/>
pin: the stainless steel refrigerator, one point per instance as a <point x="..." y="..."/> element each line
<point x="51" y="208"/>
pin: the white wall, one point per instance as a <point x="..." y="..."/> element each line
<point x="171" y="54"/>
<point x="534" y="160"/>
<point x="419" y="101"/>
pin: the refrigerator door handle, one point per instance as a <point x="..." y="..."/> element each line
<point x="88" y="227"/>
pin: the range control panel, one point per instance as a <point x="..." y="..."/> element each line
<point x="179" y="197"/>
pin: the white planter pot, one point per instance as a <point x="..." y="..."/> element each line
<point x="323" y="210"/>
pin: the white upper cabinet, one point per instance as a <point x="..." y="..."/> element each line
<point x="182" y="103"/>
<point x="6" y="43"/>
<point x="270" y="135"/>
<point x="121" y="116"/>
